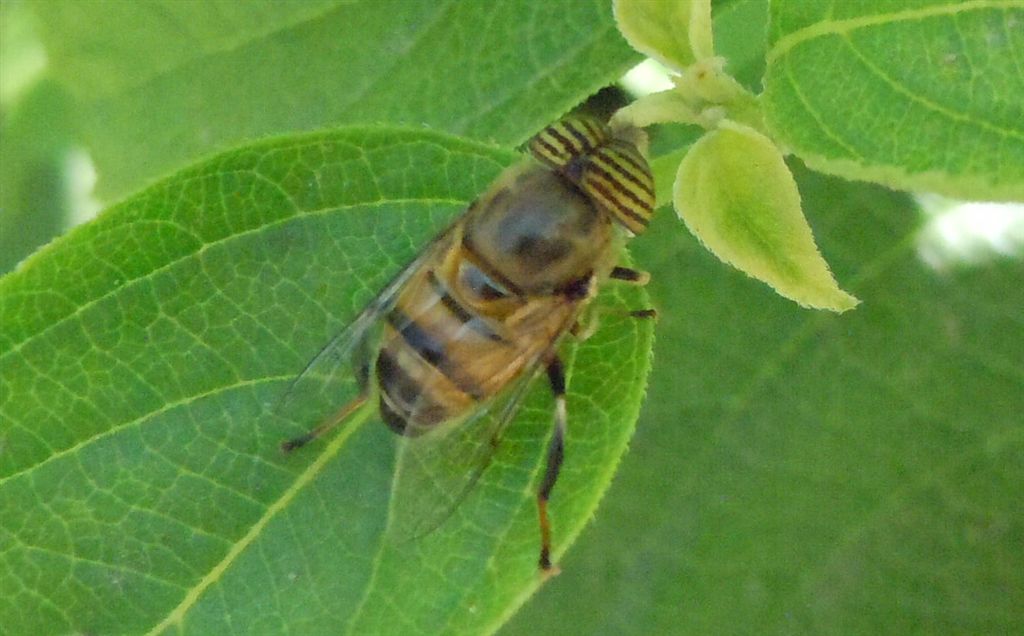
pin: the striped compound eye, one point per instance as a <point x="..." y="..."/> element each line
<point x="560" y="143"/>
<point x="612" y="172"/>
<point x="618" y="178"/>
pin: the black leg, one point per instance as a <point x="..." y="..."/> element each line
<point x="556" y="452"/>
<point x="644" y="313"/>
<point x="634" y="277"/>
<point x="628" y="275"/>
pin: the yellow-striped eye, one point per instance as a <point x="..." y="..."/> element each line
<point x="617" y="177"/>
<point x="560" y="143"/>
<point x="612" y="172"/>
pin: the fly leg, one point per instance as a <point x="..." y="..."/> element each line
<point x="628" y="275"/>
<point x="634" y="277"/>
<point x="584" y="328"/>
<point x="556" y="452"/>
<point x="362" y="360"/>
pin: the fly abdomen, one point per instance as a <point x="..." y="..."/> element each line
<point x="460" y="313"/>
<point x="424" y="369"/>
<point x="430" y="347"/>
<point x="406" y="405"/>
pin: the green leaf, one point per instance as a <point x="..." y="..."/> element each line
<point x="736" y="194"/>
<point x="704" y="94"/>
<point x="35" y="203"/>
<point x="925" y="96"/>
<point x="141" y="41"/>
<point x="141" y="482"/>
<point x="153" y="100"/>
<point x="669" y="106"/>
<point x="741" y="38"/>
<point x="677" y="33"/>
<point x="798" y="472"/>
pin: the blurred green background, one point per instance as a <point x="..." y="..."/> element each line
<point x="792" y="472"/>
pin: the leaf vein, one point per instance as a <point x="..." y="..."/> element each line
<point x="222" y="241"/>
<point x="841" y="27"/>
<point x="927" y="103"/>
<point x="71" y="450"/>
<point x="177" y="615"/>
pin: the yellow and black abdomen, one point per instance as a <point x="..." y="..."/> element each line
<point x="442" y="354"/>
<point x="437" y="357"/>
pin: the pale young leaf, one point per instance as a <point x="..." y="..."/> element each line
<point x="677" y="33"/>
<point x="736" y="194"/>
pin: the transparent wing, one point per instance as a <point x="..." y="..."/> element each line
<point x="342" y="368"/>
<point x="437" y="471"/>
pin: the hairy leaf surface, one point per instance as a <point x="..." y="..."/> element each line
<point x="141" y="482"/>
<point x="924" y="95"/>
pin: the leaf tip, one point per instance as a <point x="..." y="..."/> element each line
<point x="833" y="299"/>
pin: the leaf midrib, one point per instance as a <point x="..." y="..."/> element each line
<point x="789" y="41"/>
<point x="331" y="450"/>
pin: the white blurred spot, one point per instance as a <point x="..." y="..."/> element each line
<point x="965" y="233"/>
<point x="22" y="56"/>
<point x="645" y="78"/>
<point x="80" y="182"/>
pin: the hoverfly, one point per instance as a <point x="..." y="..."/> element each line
<point x="462" y="330"/>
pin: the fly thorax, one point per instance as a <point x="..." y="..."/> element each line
<point x="540" y="232"/>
